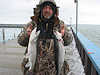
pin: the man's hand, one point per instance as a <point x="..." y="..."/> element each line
<point x="62" y="30"/>
<point x="29" y="29"/>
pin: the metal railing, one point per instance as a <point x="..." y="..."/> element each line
<point x="89" y="53"/>
<point x="12" y="25"/>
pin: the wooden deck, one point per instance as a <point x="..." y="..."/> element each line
<point x="11" y="55"/>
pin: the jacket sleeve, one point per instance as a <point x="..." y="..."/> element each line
<point x="23" y="38"/>
<point x="67" y="36"/>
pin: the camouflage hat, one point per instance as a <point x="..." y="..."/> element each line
<point x="42" y="1"/>
<point x="38" y="6"/>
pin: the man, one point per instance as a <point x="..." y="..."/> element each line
<point x="45" y="11"/>
<point x="23" y="37"/>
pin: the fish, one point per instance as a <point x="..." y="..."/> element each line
<point x="32" y="50"/>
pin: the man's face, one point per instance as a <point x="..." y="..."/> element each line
<point x="47" y="12"/>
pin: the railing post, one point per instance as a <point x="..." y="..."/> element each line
<point x="3" y="32"/>
<point x="14" y="36"/>
<point x="76" y="1"/>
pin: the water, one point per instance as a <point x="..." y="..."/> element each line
<point x="10" y="33"/>
<point x="92" y="32"/>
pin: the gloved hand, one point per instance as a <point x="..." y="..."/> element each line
<point x="58" y="36"/>
<point x="29" y="30"/>
<point x="29" y="64"/>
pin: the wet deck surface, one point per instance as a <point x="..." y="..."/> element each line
<point x="11" y="55"/>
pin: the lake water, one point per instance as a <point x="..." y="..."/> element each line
<point x="92" y="32"/>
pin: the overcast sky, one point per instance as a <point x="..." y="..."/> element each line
<point x="19" y="11"/>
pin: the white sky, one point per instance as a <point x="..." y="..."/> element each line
<point x="19" y="11"/>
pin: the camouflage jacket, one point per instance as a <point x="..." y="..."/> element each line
<point x="23" y="38"/>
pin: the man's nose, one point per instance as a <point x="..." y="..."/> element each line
<point x="47" y="9"/>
